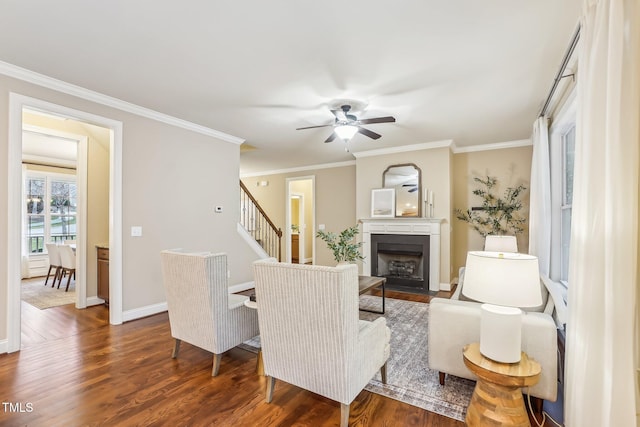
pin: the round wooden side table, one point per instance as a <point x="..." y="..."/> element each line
<point x="497" y="399"/>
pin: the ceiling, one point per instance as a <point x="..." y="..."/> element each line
<point x="462" y="70"/>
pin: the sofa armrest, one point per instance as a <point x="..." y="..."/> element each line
<point x="454" y="324"/>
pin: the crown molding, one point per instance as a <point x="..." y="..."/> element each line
<point x="403" y="148"/>
<point x="497" y="146"/>
<point x="29" y="76"/>
<point x="299" y="169"/>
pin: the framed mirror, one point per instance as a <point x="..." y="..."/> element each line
<point x="406" y="180"/>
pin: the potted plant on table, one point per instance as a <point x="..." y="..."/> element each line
<point x="344" y="247"/>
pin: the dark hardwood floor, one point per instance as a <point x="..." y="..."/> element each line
<point x="75" y="369"/>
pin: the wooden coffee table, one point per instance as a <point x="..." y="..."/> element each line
<point x="367" y="283"/>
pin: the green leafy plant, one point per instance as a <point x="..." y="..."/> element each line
<point x="342" y="245"/>
<point x="496" y="215"/>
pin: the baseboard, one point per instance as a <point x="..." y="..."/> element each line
<point x="149" y="310"/>
<point x="240" y="287"/>
<point x="4" y="346"/>
<point x="445" y="286"/>
<point x="94" y="301"/>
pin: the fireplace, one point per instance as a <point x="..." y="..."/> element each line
<point x="419" y="257"/>
<point x="402" y="259"/>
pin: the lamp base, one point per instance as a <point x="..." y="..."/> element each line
<point x="501" y="333"/>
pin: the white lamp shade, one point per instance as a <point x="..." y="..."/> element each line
<point x="507" y="279"/>
<point x="346" y="132"/>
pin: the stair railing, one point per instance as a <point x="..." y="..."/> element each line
<point x="257" y="223"/>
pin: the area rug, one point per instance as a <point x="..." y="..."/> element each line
<point x="35" y="293"/>
<point x="409" y="378"/>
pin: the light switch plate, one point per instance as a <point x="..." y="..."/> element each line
<point x="136" y="231"/>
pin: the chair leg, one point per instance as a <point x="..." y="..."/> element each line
<point x="441" y="377"/>
<point x="344" y="415"/>
<point x="62" y="273"/>
<point x="271" y="382"/>
<point x="216" y="364"/>
<point x="383" y="373"/>
<point x="176" y="348"/>
<point x="69" y="280"/>
<point x="48" y="274"/>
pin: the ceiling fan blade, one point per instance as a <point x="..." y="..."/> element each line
<point x="368" y="133"/>
<point x="388" y="119"/>
<point x="313" y="127"/>
<point x="331" y="137"/>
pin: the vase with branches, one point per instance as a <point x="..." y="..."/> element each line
<point x="343" y="245"/>
<point x="497" y="215"/>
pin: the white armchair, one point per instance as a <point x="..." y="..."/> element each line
<point x="311" y="334"/>
<point x="201" y="310"/>
<point x="454" y="323"/>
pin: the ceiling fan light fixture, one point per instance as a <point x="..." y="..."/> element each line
<point x="346" y="132"/>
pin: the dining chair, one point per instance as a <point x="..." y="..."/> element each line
<point x="68" y="264"/>
<point x="54" y="262"/>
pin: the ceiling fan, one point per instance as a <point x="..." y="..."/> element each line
<point x="346" y="125"/>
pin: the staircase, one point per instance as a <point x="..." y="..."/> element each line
<point x="258" y="224"/>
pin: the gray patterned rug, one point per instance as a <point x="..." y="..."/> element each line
<point x="408" y="375"/>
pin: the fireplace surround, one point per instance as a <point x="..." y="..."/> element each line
<point x="404" y="250"/>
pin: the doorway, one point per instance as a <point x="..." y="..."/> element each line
<point x="300" y="220"/>
<point x="19" y="107"/>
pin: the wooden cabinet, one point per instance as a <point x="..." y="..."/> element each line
<point x="295" y="249"/>
<point x="103" y="274"/>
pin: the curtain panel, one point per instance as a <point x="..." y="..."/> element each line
<point x="601" y="387"/>
<point x="540" y="197"/>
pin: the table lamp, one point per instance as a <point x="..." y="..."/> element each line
<point x="504" y="282"/>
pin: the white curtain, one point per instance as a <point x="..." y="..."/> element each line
<point x="601" y="387"/>
<point x="540" y="197"/>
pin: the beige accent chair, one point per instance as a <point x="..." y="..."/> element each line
<point x="311" y="334"/>
<point x="202" y="312"/>
<point x="454" y="323"/>
<point x="54" y="262"/>
<point x="493" y="243"/>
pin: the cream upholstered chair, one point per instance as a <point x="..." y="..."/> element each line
<point x="54" y="262"/>
<point x="455" y="322"/>
<point x="311" y="334"/>
<point x="201" y="310"/>
<point x="67" y="264"/>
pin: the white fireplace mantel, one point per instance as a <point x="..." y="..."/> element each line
<point x="408" y="226"/>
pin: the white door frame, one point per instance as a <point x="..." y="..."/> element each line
<point x="288" y="194"/>
<point x="302" y="230"/>
<point x="81" y="185"/>
<point x="17" y="103"/>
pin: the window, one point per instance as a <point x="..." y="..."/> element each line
<point x="568" y="149"/>
<point x="51" y="209"/>
<point x="562" y="139"/>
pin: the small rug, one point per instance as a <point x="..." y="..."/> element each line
<point x="408" y="375"/>
<point x="35" y="293"/>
